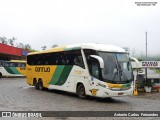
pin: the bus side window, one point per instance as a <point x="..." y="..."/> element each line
<point x="57" y="59"/>
<point x="87" y="53"/>
<point x="1" y="64"/>
<point x="78" y="60"/>
<point x="40" y="59"/>
<point x="63" y="60"/>
<point x="23" y="65"/>
<point x="18" y="64"/>
<point x="95" y="69"/>
<point x="12" y="64"/>
<point x="6" y="64"/>
<point x="70" y="59"/>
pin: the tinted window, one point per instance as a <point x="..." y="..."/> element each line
<point x="87" y="53"/>
<point x="95" y="69"/>
<point x="57" y="58"/>
<point x="14" y="64"/>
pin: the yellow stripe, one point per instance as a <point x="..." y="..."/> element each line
<point x="110" y="85"/>
<point x="22" y="70"/>
<point x="20" y="61"/>
<point x="57" y="49"/>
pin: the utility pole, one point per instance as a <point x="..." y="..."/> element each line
<point x="146" y="45"/>
<point x="146" y="59"/>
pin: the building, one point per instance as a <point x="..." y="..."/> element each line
<point x="12" y="53"/>
<point x="151" y="66"/>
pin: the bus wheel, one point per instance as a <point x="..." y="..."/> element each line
<point x="81" y="91"/>
<point x="40" y="85"/>
<point x="35" y="84"/>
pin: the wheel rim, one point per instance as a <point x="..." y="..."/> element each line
<point x="40" y="86"/>
<point x="82" y="91"/>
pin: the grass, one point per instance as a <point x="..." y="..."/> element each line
<point x="158" y="71"/>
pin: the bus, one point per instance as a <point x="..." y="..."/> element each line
<point x="87" y="69"/>
<point x="12" y="68"/>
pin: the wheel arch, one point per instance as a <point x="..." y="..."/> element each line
<point x="79" y="83"/>
<point x="81" y="90"/>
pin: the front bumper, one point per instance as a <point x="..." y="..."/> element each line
<point x="104" y="93"/>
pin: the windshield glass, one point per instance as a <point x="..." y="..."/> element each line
<point x="117" y="68"/>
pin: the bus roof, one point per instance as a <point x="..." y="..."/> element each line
<point x="93" y="46"/>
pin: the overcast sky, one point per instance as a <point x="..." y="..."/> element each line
<point x="48" y="22"/>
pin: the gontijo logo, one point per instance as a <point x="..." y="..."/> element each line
<point x="42" y="69"/>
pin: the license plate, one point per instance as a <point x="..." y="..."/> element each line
<point x="121" y="93"/>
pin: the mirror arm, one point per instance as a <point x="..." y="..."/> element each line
<point x="99" y="59"/>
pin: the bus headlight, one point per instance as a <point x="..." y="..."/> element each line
<point x="103" y="85"/>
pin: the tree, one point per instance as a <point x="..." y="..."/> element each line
<point x="11" y="41"/>
<point x="33" y="50"/>
<point x="3" y="40"/>
<point x="20" y="45"/>
<point x="44" y="47"/>
<point x="27" y="47"/>
<point x="55" y="45"/>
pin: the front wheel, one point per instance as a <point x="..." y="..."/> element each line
<point x="81" y="91"/>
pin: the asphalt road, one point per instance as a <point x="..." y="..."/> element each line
<point x="17" y="95"/>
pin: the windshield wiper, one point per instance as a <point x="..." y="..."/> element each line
<point x="121" y="71"/>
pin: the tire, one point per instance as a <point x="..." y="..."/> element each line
<point x="81" y="91"/>
<point x="0" y="74"/>
<point x="40" y="85"/>
<point x="35" y="84"/>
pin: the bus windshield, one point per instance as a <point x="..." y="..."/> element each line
<point x="117" y="67"/>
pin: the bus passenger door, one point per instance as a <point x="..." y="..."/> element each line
<point x="94" y="70"/>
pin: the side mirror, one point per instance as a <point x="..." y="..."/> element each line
<point x="101" y="62"/>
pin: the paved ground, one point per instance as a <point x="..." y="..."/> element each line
<point x="16" y="95"/>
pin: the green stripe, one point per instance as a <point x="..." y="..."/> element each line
<point x="61" y="74"/>
<point x="64" y="75"/>
<point x="12" y="70"/>
<point x="69" y="49"/>
<point x="126" y="85"/>
<point x="57" y="74"/>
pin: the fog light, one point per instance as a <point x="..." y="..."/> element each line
<point x="121" y="93"/>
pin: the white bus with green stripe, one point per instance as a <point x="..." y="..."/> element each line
<point x="87" y="69"/>
<point x="12" y="68"/>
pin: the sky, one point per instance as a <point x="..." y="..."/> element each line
<point x="62" y="22"/>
